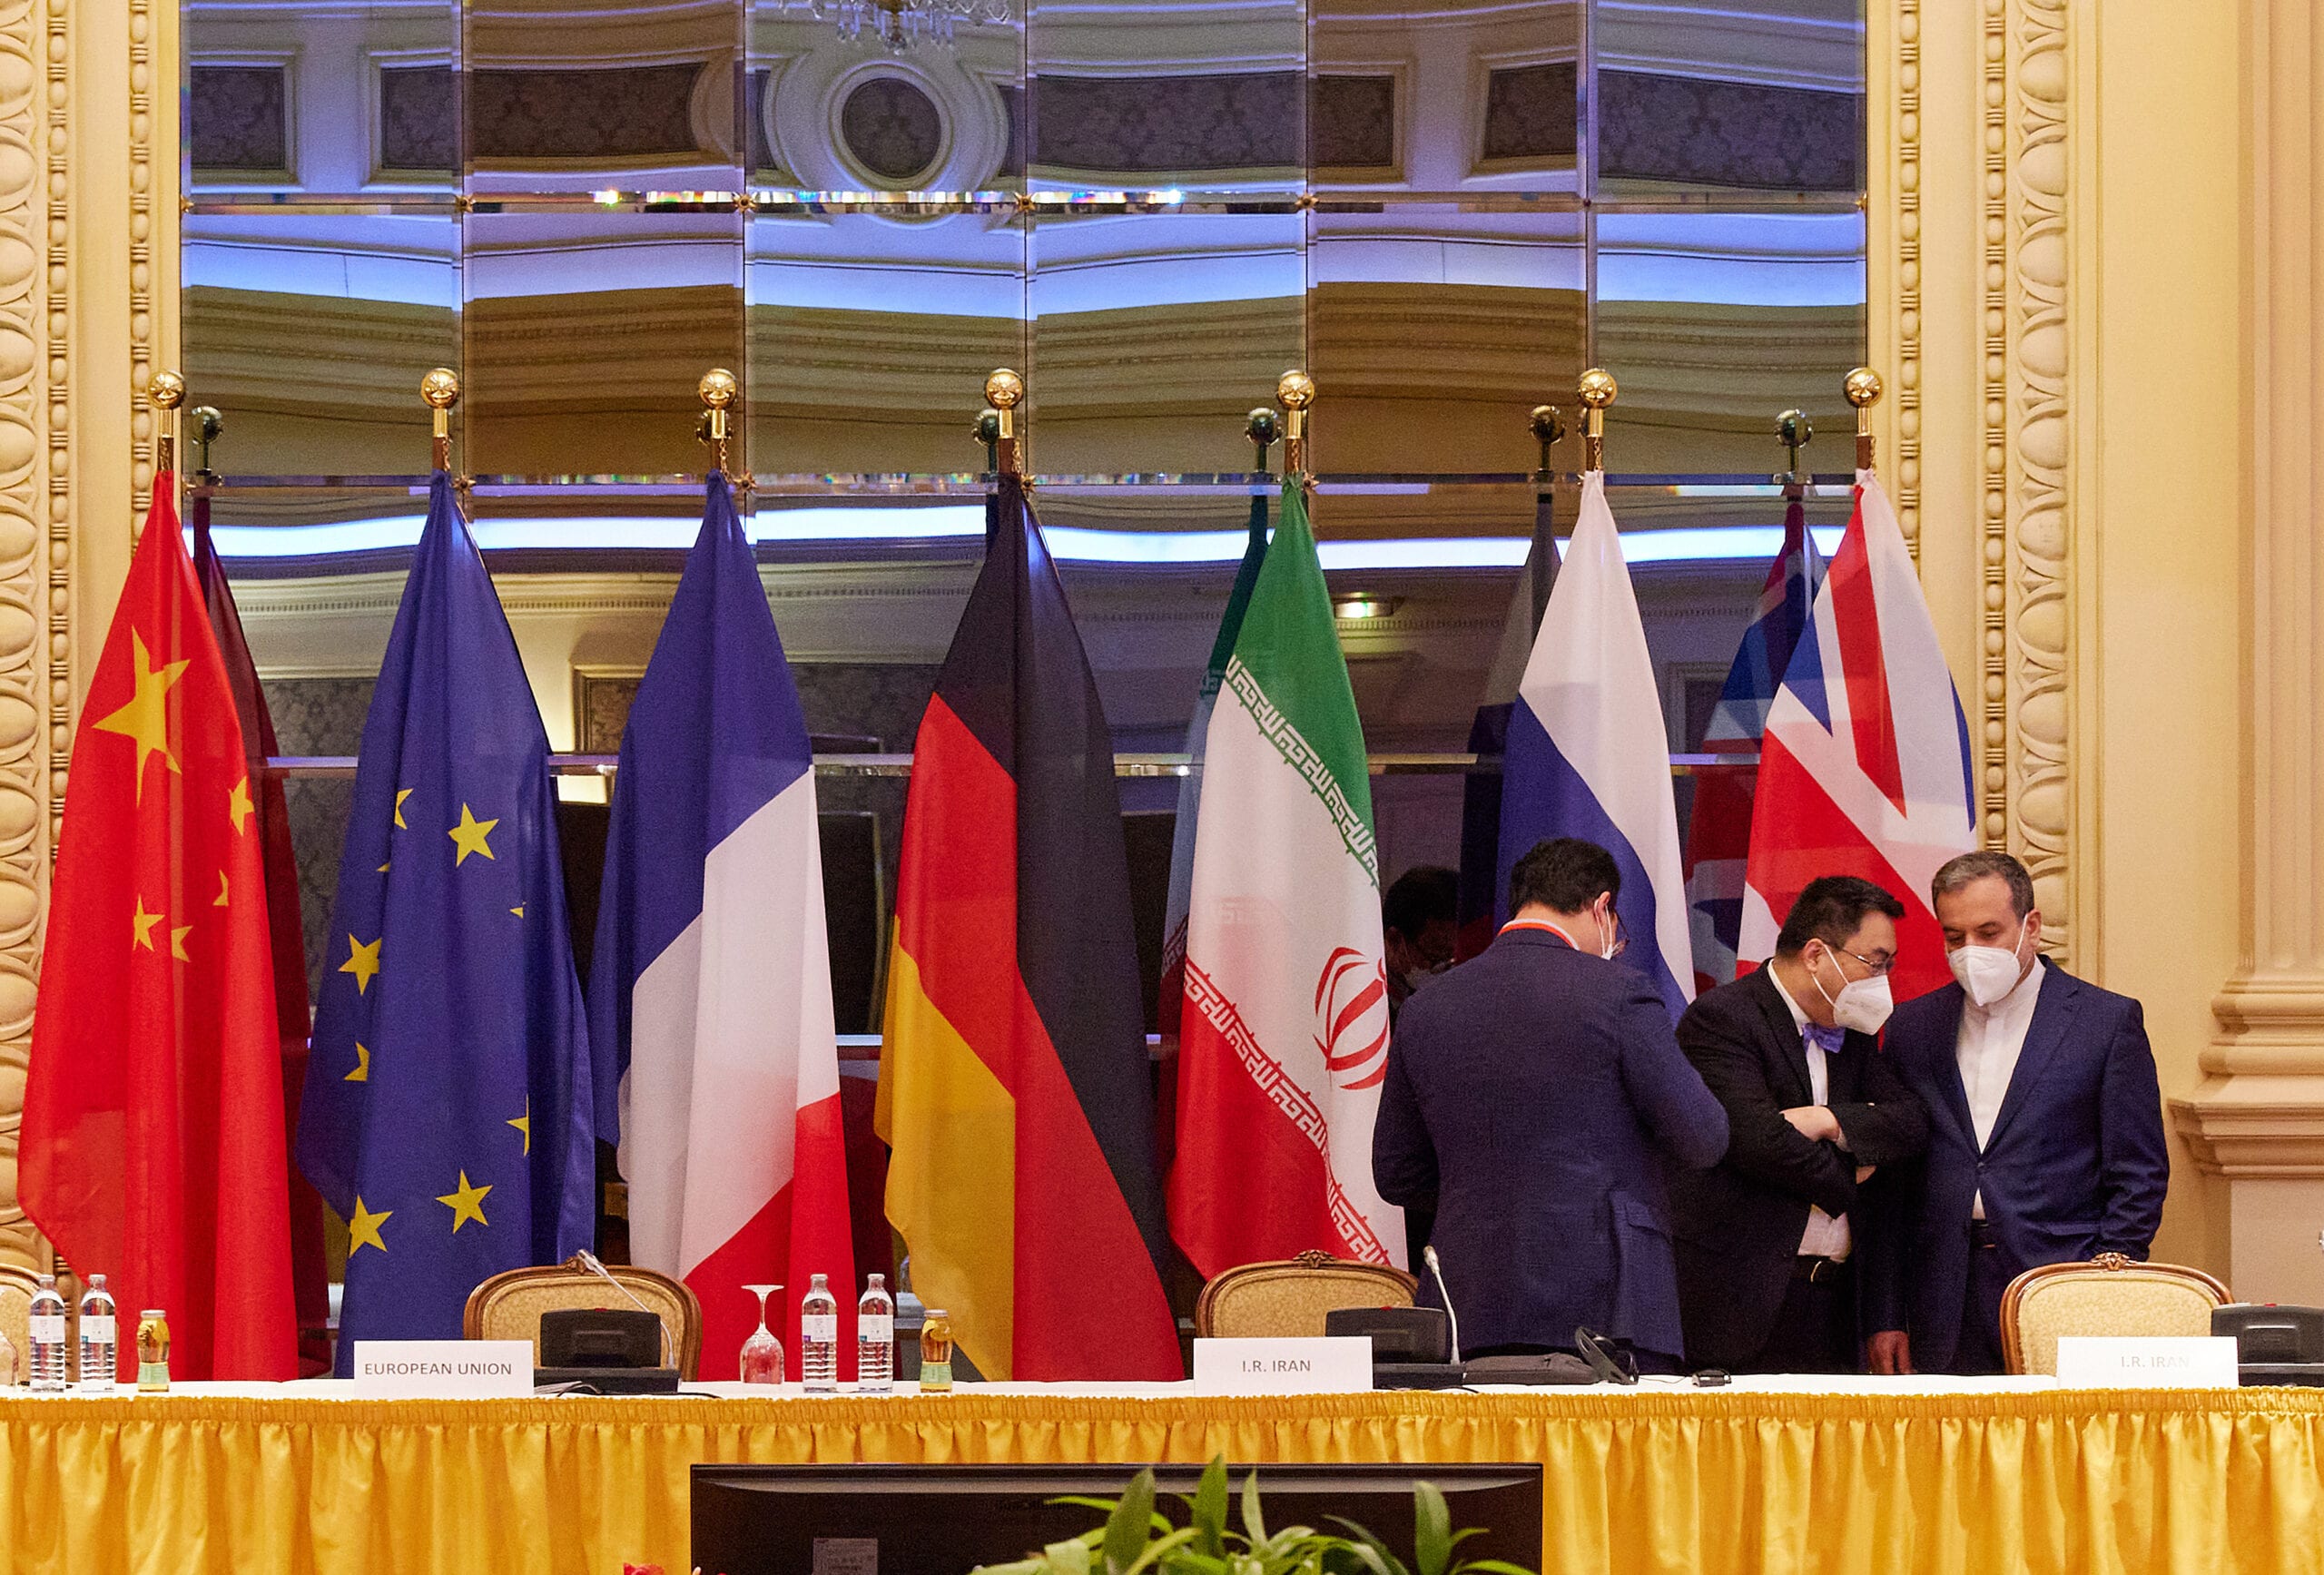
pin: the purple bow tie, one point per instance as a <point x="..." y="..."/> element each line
<point x="1828" y="1041"/>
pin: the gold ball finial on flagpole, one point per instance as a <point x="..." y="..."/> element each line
<point x="1004" y="391"/>
<point x="1863" y="387"/>
<point x="718" y="389"/>
<point x="441" y="389"/>
<point x="1547" y="423"/>
<point x="167" y="391"/>
<point x="1295" y="392"/>
<point x="1598" y="391"/>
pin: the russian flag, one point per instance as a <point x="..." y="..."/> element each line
<point x="1864" y="767"/>
<point x="712" y="973"/>
<point x="1587" y="754"/>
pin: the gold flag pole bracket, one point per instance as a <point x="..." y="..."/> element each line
<point x="1295" y="392"/>
<point x="1596" y="390"/>
<point x="1862" y="387"/>
<point x="1548" y="426"/>
<point x="1004" y="391"/>
<point x="167" y="391"/>
<point x="1264" y="429"/>
<point x="1795" y="432"/>
<point x="207" y="426"/>
<point x="718" y="389"/>
<point x="441" y="389"/>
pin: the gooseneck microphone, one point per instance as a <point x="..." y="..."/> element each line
<point x="591" y="1262"/>
<point x="1428" y="1255"/>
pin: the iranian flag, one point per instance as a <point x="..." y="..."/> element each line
<point x="1284" y="1033"/>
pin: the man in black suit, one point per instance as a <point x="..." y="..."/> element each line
<point x="2045" y="1128"/>
<point x="1536" y="1091"/>
<point x="1767" y="1238"/>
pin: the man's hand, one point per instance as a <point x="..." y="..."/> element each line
<point x="1814" y="1121"/>
<point x="1890" y="1351"/>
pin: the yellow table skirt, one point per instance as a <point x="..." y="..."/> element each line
<point x="2057" y="1480"/>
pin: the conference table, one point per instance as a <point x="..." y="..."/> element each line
<point x="1858" y="1474"/>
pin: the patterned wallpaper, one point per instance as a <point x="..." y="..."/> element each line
<point x="1351" y="121"/>
<point x="1133" y="125"/>
<point x="1728" y="133"/>
<point x="1532" y="112"/>
<point x="238" y="118"/>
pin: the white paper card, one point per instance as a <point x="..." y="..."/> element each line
<point x="443" y="1368"/>
<point x="2147" y="1361"/>
<point x="846" y="1556"/>
<point x="1330" y="1365"/>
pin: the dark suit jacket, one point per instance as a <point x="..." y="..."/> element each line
<point x="1738" y="1224"/>
<point x="1538" y="1093"/>
<point x="2075" y="1165"/>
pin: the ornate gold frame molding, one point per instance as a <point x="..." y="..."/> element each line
<point x="1997" y="221"/>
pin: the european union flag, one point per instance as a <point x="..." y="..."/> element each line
<point x="451" y="1112"/>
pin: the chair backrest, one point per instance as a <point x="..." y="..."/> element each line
<point x="2109" y="1295"/>
<point x="509" y="1306"/>
<point x="1292" y="1296"/>
<point x="16" y="1288"/>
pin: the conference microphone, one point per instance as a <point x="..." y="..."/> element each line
<point x="590" y="1261"/>
<point x="1428" y="1255"/>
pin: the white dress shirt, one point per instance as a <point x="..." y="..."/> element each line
<point x="1992" y="1037"/>
<point x="1825" y="1236"/>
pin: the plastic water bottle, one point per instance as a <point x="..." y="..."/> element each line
<point x="47" y="1338"/>
<point x="819" y="1338"/>
<point x="100" y="1339"/>
<point x="876" y="1339"/>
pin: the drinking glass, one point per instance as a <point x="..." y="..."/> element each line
<point x="762" y="1352"/>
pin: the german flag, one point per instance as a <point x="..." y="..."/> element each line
<point x="1014" y="1086"/>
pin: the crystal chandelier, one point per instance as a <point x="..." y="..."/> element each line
<point x="901" y="24"/>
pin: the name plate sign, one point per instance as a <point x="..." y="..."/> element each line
<point x="443" y="1368"/>
<point x="1331" y="1365"/>
<point x="2147" y="1361"/>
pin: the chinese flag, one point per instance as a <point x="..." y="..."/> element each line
<point x="152" y="1146"/>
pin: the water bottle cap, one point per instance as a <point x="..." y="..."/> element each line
<point x="153" y="1313"/>
<point x="97" y="1282"/>
<point x="880" y="1280"/>
<point x="820" y="1280"/>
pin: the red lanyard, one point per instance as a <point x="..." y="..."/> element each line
<point x="1538" y="924"/>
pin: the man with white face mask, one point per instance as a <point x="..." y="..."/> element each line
<point x="2045" y="1128"/>
<point x="1767" y="1238"/>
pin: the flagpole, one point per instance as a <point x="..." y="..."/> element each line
<point x="1548" y="425"/>
<point x="1004" y="391"/>
<point x="207" y="425"/>
<point x="1795" y="432"/>
<point x="1862" y="387"/>
<point x="441" y="389"/>
<point x="1596" y="390"/>
<point x="1294" y="392"/>
<point x="1262" y="429"/>
<point x="167" y="391"/>
<point x="717" y="389"/>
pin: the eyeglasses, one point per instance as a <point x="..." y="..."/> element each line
<point x="1879" y="970"/>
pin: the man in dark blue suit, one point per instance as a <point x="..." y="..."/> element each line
<point x="1537" y="1093"/>
<point x="2046" y="1129"/>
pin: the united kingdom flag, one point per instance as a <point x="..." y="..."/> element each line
<point x="1864" y="767"/>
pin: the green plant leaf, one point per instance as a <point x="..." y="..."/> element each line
<point x="1021" y="1567"/>
<point x="1161" y="1547"/>
<point x="1389" y="1563"/>
<point x="1254" y="1523"/>
<point x="1207" y="1511"/>
<point x="1432" y="1531"/>
<point x="1070" y="1557"/>
<point x="1127" y="1528"/>
<point x="1491" y="1566"/>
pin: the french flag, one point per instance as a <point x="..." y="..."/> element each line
<point x="712" y="973"/>
<point x="1864" y="766"/>
<point x="1587" y="754"/>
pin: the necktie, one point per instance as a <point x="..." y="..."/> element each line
<point x="1827" y="1040"/>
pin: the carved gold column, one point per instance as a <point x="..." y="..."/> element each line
<point x="2258" y="1119"/>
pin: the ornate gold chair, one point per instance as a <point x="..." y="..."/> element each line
<point x="1290" y="1297"/>
<point x="16" y="1288"/>
<point x="2109" y="1295"/>
<point x="509" y="1306"/>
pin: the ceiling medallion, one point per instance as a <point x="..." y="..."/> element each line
<point x="902" y="23"/>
